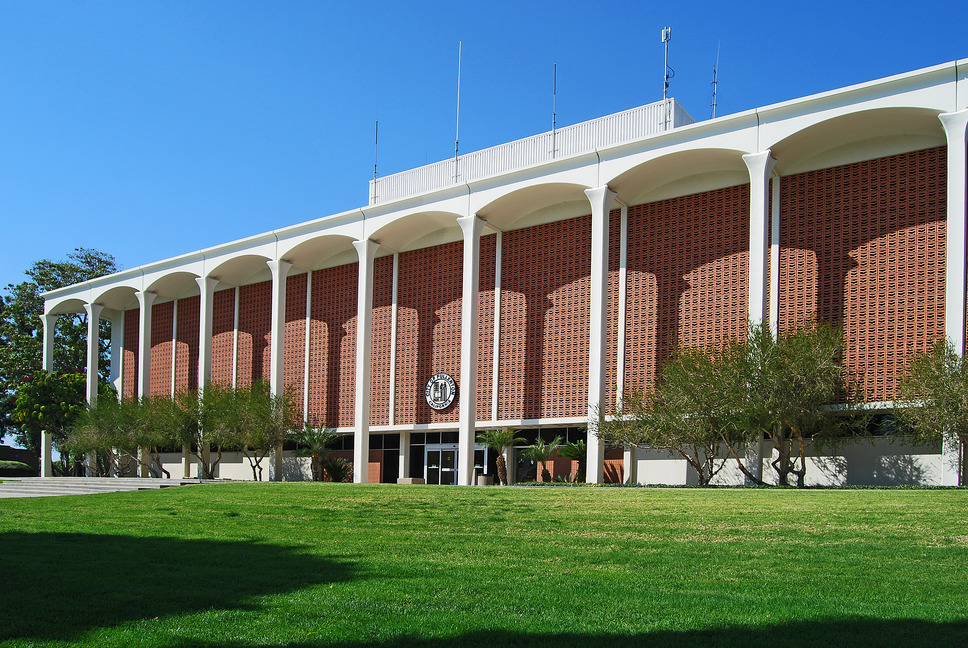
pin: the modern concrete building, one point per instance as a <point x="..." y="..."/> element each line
<point x="525" y="284"/>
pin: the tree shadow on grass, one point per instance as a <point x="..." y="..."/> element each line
<point x="841" y="633"/>
<point x="59" y="585"/>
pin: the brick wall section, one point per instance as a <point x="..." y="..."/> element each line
<point x="129" y="379"/>
<point x="294" y="354"/>
<point x="159" y="382"/>
<point x="381" y="332"/>
<point x="255" y="321"/>
<point x="863" y="246"/>
<point x="186" y="347"/>
<point x="611" y="322"/>
<point x="223" y="336"/>
<point x="688" y="266"/>
<point x="428" y="328"/>
<point x="332" y="346"/>
<point x="544" y="320"/>
<point x="485" y="325"/>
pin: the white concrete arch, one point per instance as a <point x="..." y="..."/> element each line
<point x="535" y="204"/>
<point x="173" y="285"/>
<point x="418" y="229"/>
<point x="856" y="136"/>
<point x="117" y="297"/>
<point x="322" y="250"/>
<point x="67" y="305"/>
<point x="241" y="269"/>
<point x="681" y="173"/>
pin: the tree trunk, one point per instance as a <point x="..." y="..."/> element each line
<point x="502" y="469"/>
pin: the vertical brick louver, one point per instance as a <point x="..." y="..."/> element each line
<point x="223" y="336"/>
<point x="863" y="247"/>
<point x="186" y="347"/>
<point x="687" y="277"/>
<point x="129" y="379"/>
<point x="294" y="353"/>
<point x="159" y="368"/>
<point x="255" y="323"/>
<point x="544" y="321"/>
<point x="332" y="347"/>
<point x="380" y="336"/>
<point x="428" y="328"/>
<point x="485" y="326"/>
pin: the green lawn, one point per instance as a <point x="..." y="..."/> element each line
<point x="306" y="564"/>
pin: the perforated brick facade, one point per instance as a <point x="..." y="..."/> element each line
<point x="863" y="246"/>
<point x="294" y="352"/>
<point x="485" y="328"/>
<point x="332" y="352"/>
<point x="380" y="340"/>
<point x="688" y="263"/>
<point x="255" y="322"/>
<point x="129" y="377"/>
<point x="223" y="336"/>
<point x="159" y="364"/>
<point x="186" y="344"/>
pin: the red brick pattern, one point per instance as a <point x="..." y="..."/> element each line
<point x="223" y="336"/>
<point x="428" y="328"/>
<point x="380" y="338"/>
<point x="159" y="369"/>
<point x="332" y="346"/>
<point x="255" y="321"/>
<point x="294" y="353"/>
<point x="485" y="325"/>
<point x="611" y="322"/>
<point x="688" y="266"/>
<point x="545" y="320"/>
<point x="129" y="379"/>
<point x="186" y="344"/>
<point x="863" y="246"/>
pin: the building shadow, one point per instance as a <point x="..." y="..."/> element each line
<point x="58" y="586"/>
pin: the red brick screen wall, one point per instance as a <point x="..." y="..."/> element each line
<point x="160" y="363"/>
<point x="485" y="325"/>
<point x="129" y="381"/>
<point x="223" y="336"/>
<point x="294" y="354"/>
<point x="428" y="328"/>
<point x="255" y="321"/>
<point x="688" y="266"/>
<point x="863" y="246"/>
<point x="380" y="337"/>
<point x="611" y="331"/>
<point x="544" y="320"/>
<point x="186" y="348"/>
<point x="332" y="347"/>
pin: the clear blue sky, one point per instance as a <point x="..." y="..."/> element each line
<point x="151" y="129"/>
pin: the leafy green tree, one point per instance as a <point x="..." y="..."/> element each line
<point x="540" y="452"/>
<point x="314" y="443"/>
<point x="106" y="431"/>
<point x="933" y="398"/>
<point x="576" y="451"/>
<point x="499" y="441"/>
<point x="21" y="329"/>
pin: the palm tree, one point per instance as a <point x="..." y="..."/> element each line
<point x="499" y="441"/>
<point x="541" y="452"/>
<point x="575" y="450"/>
<point x="314" y="443"/>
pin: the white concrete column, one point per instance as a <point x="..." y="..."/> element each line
<point x="955" y="128"/>
<point x="50" y="322"/>
<point x="117" y="350"/>
<point x="956" y="132"/>
<point x="628" y="461"/>
<point x="145" y="299"/>
<point x="601" y="202"/>
<point x="93" y="349"/>
<point x="775" y="256"/>
<point x="760" y="166"/>
<point x="470" y="312"/>
<point x="206" y="310"/>
<point x="277" y="343"/>
<point x="404" y="470"/>
<point x="496" y="350"/>
<point x="366" y="250"/>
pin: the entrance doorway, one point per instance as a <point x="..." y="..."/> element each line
<point x="440" y="463"/>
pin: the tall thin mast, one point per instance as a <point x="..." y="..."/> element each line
<point x="457" y="135"/>
<point x="554" y="113"/>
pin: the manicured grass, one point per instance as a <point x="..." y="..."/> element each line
<point x="321" y="564"/>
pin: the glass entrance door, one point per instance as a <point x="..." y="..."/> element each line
<point x="441" y="464"/>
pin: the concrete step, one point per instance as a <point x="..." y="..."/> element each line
<point x="52" y="486"/>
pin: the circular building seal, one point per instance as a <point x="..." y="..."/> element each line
<point x="441" y="390"/>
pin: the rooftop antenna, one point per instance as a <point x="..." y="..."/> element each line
<point x="376" y="151"/>
<point x="667" y="72"/>
<point x="554" y="113"/>
<point x="715" y="81"/>
<point x="457" y="135"/>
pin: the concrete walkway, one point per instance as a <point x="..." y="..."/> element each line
<point x="49" y="486"/>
